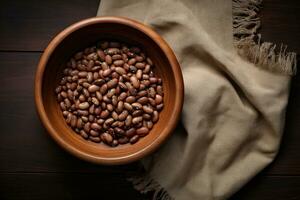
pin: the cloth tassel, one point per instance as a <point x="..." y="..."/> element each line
<point x="145" y="184"/>
<point x="266" y="55"/>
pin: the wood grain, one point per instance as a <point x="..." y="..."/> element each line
<point x="66" y="186"/>
<point x="32" y="166"/>
<point x="29" y="25"/>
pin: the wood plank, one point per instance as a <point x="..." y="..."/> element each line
<point x="30" y="25"/>
<point x="280" y="23"/>
<point x="270" y="188"/>
<point x="34" y="186"/>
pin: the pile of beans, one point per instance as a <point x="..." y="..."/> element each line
<point x="109" y="93"/>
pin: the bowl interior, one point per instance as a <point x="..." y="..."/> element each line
<point x="88" y="36"/>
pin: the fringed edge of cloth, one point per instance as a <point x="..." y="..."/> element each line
<point x="145" y="184"/>
<point x="247" y="40"/>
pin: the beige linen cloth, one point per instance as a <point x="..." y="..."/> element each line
<point x="234" y="106"/>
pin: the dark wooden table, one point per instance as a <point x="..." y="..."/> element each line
<point x="32" y="166"/>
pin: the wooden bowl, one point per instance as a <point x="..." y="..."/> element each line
<point x="86" y="33"/>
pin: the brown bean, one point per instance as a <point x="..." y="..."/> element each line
<point x="122" y="96"/>
<point x="90" y="65"/>
<point x="106" y="99"/>
<point x="139" y="58"/>
<point x="136" y="105"/>
<point x="107" y="138"/>
<point x="135" y="82"/>
<point x="84" y="134"/>
<point x="95" y="126"/>
<point x="140" y="65"/>
<point x="147" y="69"/>
<point x="119" y="131"/>
<point x="92" y="109"/>
<point x="137" y="120"/>
<point x="103" y="89"/>
<point x="123" y="115"/>
<point x="95" y="101"/>
<point x="120" y="106"/>
<point x="104" y="114"/>
<point x="83" y="112"/>
<point x="123" y="86"/>
<point x="114" y="115"/>
<point x="142" y="100"/>
<point x="99" y="82"/>
<point x="87" y="127"/>
<point x="79" y="123"/>
<point x="115" y="124"/>
<point x="130" y="132"/>
<point x="131" y="61"/>
<point x="134" y="139"/>
<point x="91" y="118"/>
<point x="111" y="92"/>
<point x="84" y="105"/>
<point x="118" y="62"/>
<point x="112" y="83"/>
<point x="128" y="120"/>
<point x="68" y="119"/>
<point x="84" y="119"/>
<point x="158" y="99"/>
<point x="151" y="92"/>
<point x="58" y="89"/>
<point x="65" y="113"/>
<point x="85" y="92"/>
<point x="64" y="94"/>
<point x="139" y="74"/>
<point x="101" y="54"/>
<point x="106" y="72"/>
<point x="146" y="116"/>
<point x="159" y="106"/>
<point x="130" y="99"/>
<point x="152" y="80"/>
<point x="155" y="116"/>
<point x="149" y="124"/>
<point x="109" y="121"/>
<point x="147" y="109"/>
<point x="123" y="140"/>
<point x="67" y="103"/>
<point x="94" y="133"/>
<point x="86" y="85"/>
<point x="112" y="51"/>
<point x="120" y="70"/>
<point x="109" y="107"/>
<point x="93" y="88"/>
<point x="132" y="91"/>
<point x="114" y="100"/>
<point x="98" y="95"/>
<point x="128" y="107"/>
<point x="137" y="113"/>
<point x="142" y="93"/>
<point x="149" y="61"/>
<point x="73" y="121"/>
<point x="142" y="131"/>
<point x="100" y="121"/>
<point x="95" y="139"/>
<point x="159" y="90"/>
<point x="108" y="60"/>
<point x="97" y="111"/>
<point x="117" y="57"/>
<point x="132" y="68"/>
<point x="82" y="74"/>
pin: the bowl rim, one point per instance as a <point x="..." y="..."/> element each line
<point x="179" y="85"/>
